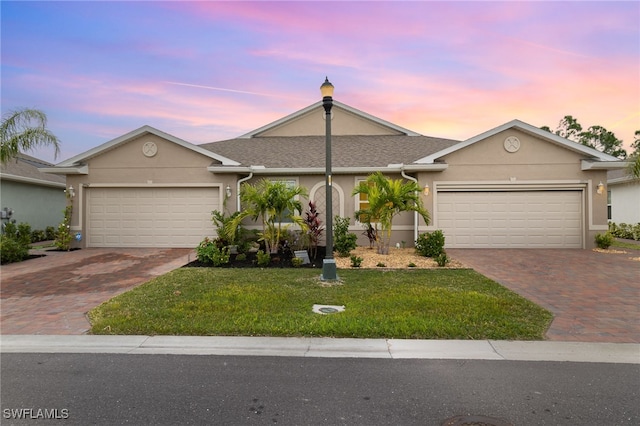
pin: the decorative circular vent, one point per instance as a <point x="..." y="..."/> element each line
<point x="512" y="144"/>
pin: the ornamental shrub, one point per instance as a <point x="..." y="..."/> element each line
<point x="209" y="252"/>
<point x="442" y="259"/>
<point x="263" y="258"/>
<point x="430" y="244"/>
<point x="605" y="240"/>
<point x="11" y="250"/>
<point x="344" y="241"/>
<point x="49" y="233"/>
<point x="63" y="235"/>
<point x="37" y="236"/>
<point x="24" y="234"/>
<point x="625" y="231"/>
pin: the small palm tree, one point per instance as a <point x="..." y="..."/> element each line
<point x="387" y="198"/>
<point x="23" y="130"/>
<point x="272" y="203"/>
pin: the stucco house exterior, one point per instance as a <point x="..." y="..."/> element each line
<point x="512" y="186"/>
<point x="624" y="197"/>
<point x="36" y="198"/>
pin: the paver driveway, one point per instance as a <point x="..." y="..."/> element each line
<point x="594" y="296"/>
<point x="51" y="294"/>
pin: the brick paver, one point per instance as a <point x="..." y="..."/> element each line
<point x="52" y="294"/>
<point x="594" y="296"/>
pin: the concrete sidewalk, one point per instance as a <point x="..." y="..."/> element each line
<point x="627" y="353"/>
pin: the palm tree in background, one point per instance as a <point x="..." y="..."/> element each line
<point x="24" y="130"/>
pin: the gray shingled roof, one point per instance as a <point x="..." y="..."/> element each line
<point x="347" y="151"/>
<point x="26" y="166"/>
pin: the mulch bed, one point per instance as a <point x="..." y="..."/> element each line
<point x="396" y="259"/>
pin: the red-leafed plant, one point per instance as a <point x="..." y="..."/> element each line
<point x="314" y="228"/>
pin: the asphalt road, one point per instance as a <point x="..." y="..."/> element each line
<point x="115" y="389"/>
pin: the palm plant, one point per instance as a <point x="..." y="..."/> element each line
<point x="272" y="203"/>
<point x="23" y="130"/>
<point x="387" y="198"/>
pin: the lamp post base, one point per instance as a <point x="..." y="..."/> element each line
<point x="329" y="270"/>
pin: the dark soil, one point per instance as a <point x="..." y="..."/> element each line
<point x="279" y="260"/>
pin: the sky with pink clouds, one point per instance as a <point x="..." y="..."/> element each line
<point x="206" y="71"/>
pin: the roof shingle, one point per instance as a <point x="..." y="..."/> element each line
<point x="346" y="151"/>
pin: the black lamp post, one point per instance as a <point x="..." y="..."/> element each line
<point x="329" y="270"/>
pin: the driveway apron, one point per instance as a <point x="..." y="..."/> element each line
<point x="594" y="296"/>
<point x="52" y="294"/>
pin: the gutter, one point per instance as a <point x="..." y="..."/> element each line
<point x="262" y="170"/>
<point x="415" y="214"/>
<point x="22" y="179"/>
<point x="240" y="181"/>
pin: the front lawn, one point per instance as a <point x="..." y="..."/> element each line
<point x="410" y="304"/>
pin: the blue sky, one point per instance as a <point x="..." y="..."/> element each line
<point x="207" y="71"/>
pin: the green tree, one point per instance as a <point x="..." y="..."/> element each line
<point x="272" y="203"/>
<point x="596" y="137"/>
<point x="634" y="158"/>
<point x="23" y="130"/>
<point x="387" y="198"/>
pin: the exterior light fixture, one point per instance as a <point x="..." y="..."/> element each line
<point x="228" y="191"/>
<point x="71" y="191"/>
<point x="329" y="269"/>
<point x="426" y="190"/>
<point x="600" y="189"/>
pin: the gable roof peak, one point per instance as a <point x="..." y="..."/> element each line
<point x="318" y="106"/>
<point x="527" y="128"/>
<point x="146" y="129"/>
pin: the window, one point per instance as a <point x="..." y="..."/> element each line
<point x="362" y="203"/>
<point x="609" y="204"/>
<point x="285" y="218"/>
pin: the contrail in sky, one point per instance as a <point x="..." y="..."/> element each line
<point x="220" y="89"/>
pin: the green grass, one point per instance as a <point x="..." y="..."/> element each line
<point x="626" y="245"/>
<point x="411" y="304"/>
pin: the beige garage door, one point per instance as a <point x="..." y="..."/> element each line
<point x="531" y="219"/>
<point x="150" y="217"/>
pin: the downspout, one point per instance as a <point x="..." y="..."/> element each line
<point x="238" y="206"/>
<point x="415" y="214"/>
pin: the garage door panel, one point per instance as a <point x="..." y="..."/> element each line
<point x="150" y="217"/>
<point x="511" y="219"/>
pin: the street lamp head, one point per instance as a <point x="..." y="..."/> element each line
<point x="326" y="89"/>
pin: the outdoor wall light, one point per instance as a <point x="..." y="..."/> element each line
<point x="71" y="191"/>
<point x="426" y="189"/>
<point x="228" y="191"/>
<point x="600" y="189"/>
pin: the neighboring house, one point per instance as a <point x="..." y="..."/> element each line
<point x="624" y="197"/>
<point x="36" y="198"/>
<point x="512" y="186"/>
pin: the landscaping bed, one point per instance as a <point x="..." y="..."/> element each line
<point x="398" y="258"/>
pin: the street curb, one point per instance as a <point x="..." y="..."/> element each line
<point x="321" y="347"/>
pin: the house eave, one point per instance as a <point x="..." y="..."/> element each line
<point x="32" y="181"/>
<point x="72" y="170"/>
<point x="527" y="128"/>
<point x="622" y="180"/>
<point x="391" y="168"/>
<point x="603" y="165"/>
<point x="137" y="133"/>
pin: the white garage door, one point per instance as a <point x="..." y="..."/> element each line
<point x="150" y="217"/>
<point x="531" y="219"/>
